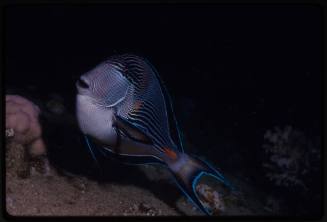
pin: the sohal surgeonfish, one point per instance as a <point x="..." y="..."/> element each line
<point x="125" y="111"/>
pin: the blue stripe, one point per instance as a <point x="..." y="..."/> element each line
<point x="91" y="151"/>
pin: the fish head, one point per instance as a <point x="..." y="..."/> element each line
<point x="104" y="84"/>
<point x="98" y="90"/>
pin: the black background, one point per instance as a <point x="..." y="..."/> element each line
<point x="235" y="60"/>
<point x="233" y="71"/>
<point x="246" y="68"/>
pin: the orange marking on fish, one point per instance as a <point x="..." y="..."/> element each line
<point x="137" y="105"/>
<point x="172" y="154"/>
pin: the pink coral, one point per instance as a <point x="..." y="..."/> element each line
<point x="22" y="117"/>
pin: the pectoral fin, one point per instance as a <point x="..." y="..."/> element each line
<point x="132" y="131"/>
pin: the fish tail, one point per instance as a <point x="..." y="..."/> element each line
<point x="187" y="171"/>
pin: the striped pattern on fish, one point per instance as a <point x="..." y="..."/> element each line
<point x="125" y="111"/>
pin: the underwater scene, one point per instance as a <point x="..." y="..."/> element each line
<point x="163" y="110"/>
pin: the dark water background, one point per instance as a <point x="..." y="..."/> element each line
<point x="233" y="71"/>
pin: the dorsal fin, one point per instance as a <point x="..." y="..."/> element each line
<point x="173" y="124"/>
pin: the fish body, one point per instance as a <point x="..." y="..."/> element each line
<point x="124" y="110"/>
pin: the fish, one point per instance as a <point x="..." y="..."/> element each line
<point x="124" y="111"/>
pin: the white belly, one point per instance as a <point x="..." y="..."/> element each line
<point x="95" y="120"/>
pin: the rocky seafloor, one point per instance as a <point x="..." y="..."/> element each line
<point x="35" y="188"/>
<point x="48" y="173"/>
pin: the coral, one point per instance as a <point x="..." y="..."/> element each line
<point x="290" y="155"/>
<point x="26" y="150"/>
<point x="22" y="124"/>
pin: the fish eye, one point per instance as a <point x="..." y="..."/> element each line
<point x="82" y="83"/>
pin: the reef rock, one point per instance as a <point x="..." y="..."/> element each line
<point x="26" y="151"/>
<point x="22" y="124"/>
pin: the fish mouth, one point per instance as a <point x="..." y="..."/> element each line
<point x="82" y="85"/>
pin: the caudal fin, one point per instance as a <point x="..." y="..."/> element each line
<point x="188" y="170"/>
